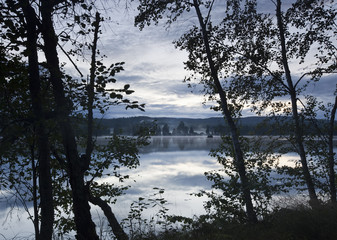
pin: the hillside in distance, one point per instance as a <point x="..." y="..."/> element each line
<point x="197" y="126"/>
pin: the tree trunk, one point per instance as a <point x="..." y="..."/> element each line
<point x="91" y="90"/>
<point x="84" y="225"/>
<point x="115" y="226"/>
<point x="331" y="160"/>
<point x="45" y="183"/>
<point x="34" y="190"/>
<point x="293" y="97"/>
<point x="239" y="159"/>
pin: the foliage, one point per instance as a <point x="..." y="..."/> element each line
<point x="293" y="221"/>
<point x="143" y="225"/>
<point x="19" y="165"/>
<point x="225" y="200"/>
<point x="250" y="52"/>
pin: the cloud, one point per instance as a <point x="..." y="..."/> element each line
<point x="325" y="89"/>
<point x="155" y="69"/>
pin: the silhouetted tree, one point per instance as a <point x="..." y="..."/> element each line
<point x="191" y="131"/>
<point x="166" y="130"/>
<point x="182" y="130"/>
<point x="158" y="131"/>
<point x="35" y="22"/>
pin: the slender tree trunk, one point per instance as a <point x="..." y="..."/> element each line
<point x="114" y="224"/>
<point x="293" y="97"/>
<point x="34" y="190"/>
<point x="45" y="183"/>
<point x="84" y="225"/>
<point x="239" y="159"/>
<point x="91" y="89"/>
<point x="331" y="160"/>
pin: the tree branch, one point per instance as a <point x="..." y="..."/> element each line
<point x="115" y="226"/>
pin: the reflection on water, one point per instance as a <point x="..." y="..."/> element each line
<point x="180" y="173"/>
<point x="176" y="164"/>
<point x="181" y="143"/>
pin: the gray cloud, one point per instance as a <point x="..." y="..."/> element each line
<point x="325" y="88"/>
<point x="155" y="70"/>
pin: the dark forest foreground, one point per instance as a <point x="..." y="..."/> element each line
<point x="300" y="223"/>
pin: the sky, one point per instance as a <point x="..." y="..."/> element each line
<point x="155" y="69"/>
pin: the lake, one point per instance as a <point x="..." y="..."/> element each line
<point x="176" y="164"/>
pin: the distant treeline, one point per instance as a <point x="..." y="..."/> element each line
<point x="192" y="127"/>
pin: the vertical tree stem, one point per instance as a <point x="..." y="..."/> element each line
<point x="84" y="225"/>
<point x="293" y="97"/>
<point x="45" y="183"/>
<point x="239" y="159"/>
<point x="331" y="160"/>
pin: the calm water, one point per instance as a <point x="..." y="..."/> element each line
<point x="176" y="164"/>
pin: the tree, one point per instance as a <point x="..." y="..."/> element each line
<point x="319" y="17"/>
<point x="253" y="61"/>
<point x="59" y="108"/>
<point x="258" y="57"/>
<point x="225" y="204"/>
<point x="38" y="118"/>
<point x="45" y="184"/>
<point x="153" y="11"/>
<point x="208" y="132"/>
<point x="331" y="158"/>
<point x="18" y="136"/>
<point x="84" y="224"/>
<point x="158" y="131"/>
<point x="319" y="144"/>
<point x="166" y="130"/>
<point x="293" y="97"/>
<point x="181" y="129"/>
<point x="191" y="131"/>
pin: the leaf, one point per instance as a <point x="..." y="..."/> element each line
<point x="111" y="80"/>
<point x="128" y="92"/>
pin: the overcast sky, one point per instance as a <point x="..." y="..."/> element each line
<point x="155" y="70"/>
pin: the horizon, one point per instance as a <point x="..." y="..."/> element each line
<point x="175" y="117"/>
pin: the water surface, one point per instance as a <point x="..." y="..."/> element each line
<point x="175" y="164"/>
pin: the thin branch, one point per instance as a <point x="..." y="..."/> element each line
<point x="91" y="93"/>
<point x="269" y="71"/>
<point x="275" y="76"/>
<point x="331" y="161"/>
<point x="23" y="202"/>
<point x="78" y="70"/>
<point x="311" y="73"/>
<point x="209" y="12"/>
<point x="300" y="79"/>
<point x="61" y="161"/>
<point x="39" y="23"/>
<point x="114" y="224"/>
<point x="320" y="135"/>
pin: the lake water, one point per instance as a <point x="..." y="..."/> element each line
<point x="176" y="164"/>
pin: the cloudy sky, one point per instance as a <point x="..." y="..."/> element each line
<point x="155" y="69"/>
